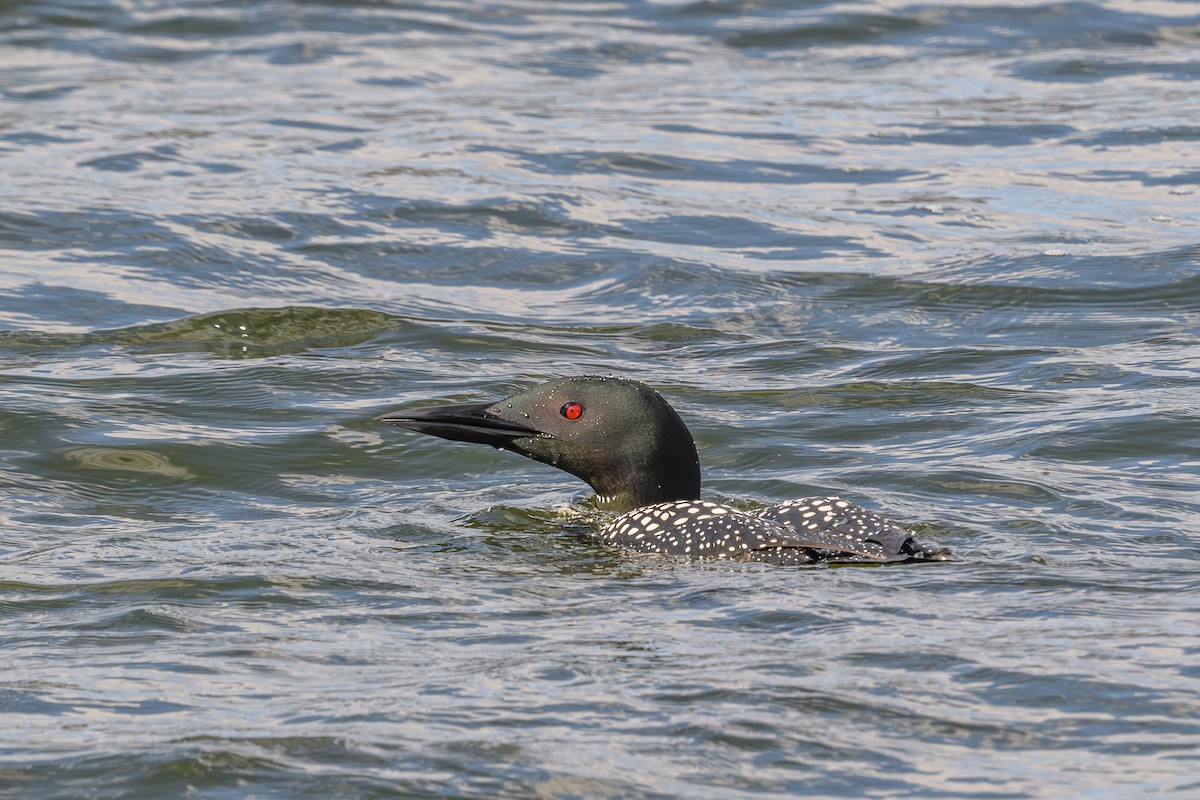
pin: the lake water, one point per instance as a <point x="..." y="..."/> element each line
<point x="942" y="259"/>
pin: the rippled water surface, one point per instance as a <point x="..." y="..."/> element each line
<point x="942" y="259"/>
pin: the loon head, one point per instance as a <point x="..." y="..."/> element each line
<point x="619" y="436"/>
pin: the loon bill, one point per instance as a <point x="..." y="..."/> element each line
<point x="631" y="447"/>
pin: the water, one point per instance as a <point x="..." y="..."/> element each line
<point x="940" y="259"/>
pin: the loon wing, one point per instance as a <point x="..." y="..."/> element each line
<point x="830" y="523"/>
<point x="814" y="529"/>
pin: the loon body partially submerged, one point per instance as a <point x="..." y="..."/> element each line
<point x="630" y="446"/>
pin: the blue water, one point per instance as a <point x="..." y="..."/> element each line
<point x="942" y="260"/>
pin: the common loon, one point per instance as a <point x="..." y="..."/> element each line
<point x="631" y="447"/>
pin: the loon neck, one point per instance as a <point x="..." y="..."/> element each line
<point x="626" y="487"/>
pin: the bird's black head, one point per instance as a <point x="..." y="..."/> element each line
<point x="620" y="436"/>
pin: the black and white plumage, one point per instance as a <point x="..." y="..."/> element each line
<point x="805" y="531"/>
<point x="628" y="444"/>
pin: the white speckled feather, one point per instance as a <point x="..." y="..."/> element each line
<point x="802" y="531"/>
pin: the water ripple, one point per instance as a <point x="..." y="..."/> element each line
<point x="939" y="259"/>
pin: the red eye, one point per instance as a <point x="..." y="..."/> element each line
<point x="571" y="411"/>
